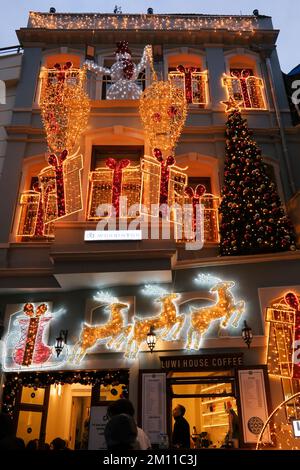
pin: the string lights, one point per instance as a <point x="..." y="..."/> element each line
<point x="192" y="82"/>
<point x="284" y="326"/>
<point x="163" y="111"/>
<point x="124" y="72"/>
<point x="224" y="309"/>
<point x="64" y="106"/>
<point x="243" y="86"/>
<point x="278" y="431"/>
<point x="96" y="21"/>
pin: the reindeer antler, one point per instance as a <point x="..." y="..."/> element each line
<point x="154" y="289"/>
<point x="105" y="297"/>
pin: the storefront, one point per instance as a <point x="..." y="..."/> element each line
<point x="199" y="360"/>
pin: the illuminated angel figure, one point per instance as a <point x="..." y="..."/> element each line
<point x="124" y="72"/>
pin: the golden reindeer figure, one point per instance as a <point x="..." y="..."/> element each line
<point x="167" y="322"/>
<point x="108" y="331"/>
<point x="224" y="308"/>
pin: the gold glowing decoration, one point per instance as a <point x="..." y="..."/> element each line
<point x="64" y="106"/>
<point x="41" y="207"/>
<point x="166" y="322"/>
<point x="278" y="432"/>
<point x="108" y="332"/>
<point x="231" y="105"/>
<point x="198" y="84"/>
<point x="151" y="178"/>
<point x="248" y="91"/>
<point x="136" y="22"/>
<point x="281" y="318"/>
<point x="224" y="309"/>
<point x="163" y="112"/>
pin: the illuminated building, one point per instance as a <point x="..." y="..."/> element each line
<point x="79" y="142"/>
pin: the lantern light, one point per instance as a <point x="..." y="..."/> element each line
<point x="247" y="334"/>
<point x="60" y="342"/>
<point x="151" y="339"/>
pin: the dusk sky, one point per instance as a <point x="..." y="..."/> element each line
<point x="285" y="15"/>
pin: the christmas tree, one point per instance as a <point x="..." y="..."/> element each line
<point x="252" y="217"/>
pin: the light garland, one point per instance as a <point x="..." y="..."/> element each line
<point x="163" y="111"/>
<point x="99" y="21"/>
<point x="224" y="309"/>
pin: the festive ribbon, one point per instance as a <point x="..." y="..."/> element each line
<point x="195" y="195"/>
<point x="187" y="81"/>
<point x="117" y="167"/>
<point x="292" y="300"/>
<point x="62" y="75"/>
<point x="164" y="174"/>
<point x="57" y="163"/>
<point x="242" y="75"/>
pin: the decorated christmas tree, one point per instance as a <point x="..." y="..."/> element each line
<point x="252" y="217"/>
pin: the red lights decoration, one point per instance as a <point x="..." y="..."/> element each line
<point x="164" y="174"/>
<point x="117" y="167"/>
<point x="57" y="163"/>
<point x="195" y="196"/>
<point x="192" y="82"/>
<point x="292" y="301"/>
<point x="30" y="348"/>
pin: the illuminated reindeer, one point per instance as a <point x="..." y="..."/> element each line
<point x="167" y="324"/>
<point x="224" y="308"/>
<point x="108" y="331"/>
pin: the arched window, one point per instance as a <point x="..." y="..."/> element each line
<point x="186" y="72"/>
<point x="243" y="82"/>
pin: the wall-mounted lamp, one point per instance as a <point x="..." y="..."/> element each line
<point x="151" y="339"/>
<point x="247" y="334"/>
<point x="60" y="342"/>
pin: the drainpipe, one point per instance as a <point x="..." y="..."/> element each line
<point x="281" y="128"/>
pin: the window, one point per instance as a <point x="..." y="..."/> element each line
<point x="243" y="83"/>
<point x="185" y="72"/>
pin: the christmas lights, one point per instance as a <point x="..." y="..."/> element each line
<point x="224" y="309"/>
<point x="163" y="112"/>
<point x="99" y="21"/>
<point x="124" y="72"/>
<point x="284" y="320"/>
<point x="192" y="82"/>
<point x="243" y="86"/>
<point x="14" y="383"/>
<point x="252" y="216"/>
<point x="279" y="426"/>
<point x="108" y="332"/>
<point x="64" y="107"/>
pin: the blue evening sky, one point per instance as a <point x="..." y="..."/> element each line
<point x="285" y="14"/>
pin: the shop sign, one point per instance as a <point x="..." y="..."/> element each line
<point x="296" y="427"/>
<point x="200" y="363"/>
<point x="112" y="235"/>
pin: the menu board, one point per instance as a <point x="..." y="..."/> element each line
<point x="98" y="422"/>
<point x="253" y="404"/>
<point x="154" y="405"/>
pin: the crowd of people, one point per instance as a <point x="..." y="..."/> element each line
<point x="121" y="432"/>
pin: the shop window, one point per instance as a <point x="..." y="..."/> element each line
<point x="244" y="85"/>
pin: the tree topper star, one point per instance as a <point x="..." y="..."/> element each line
<point x="232" y="105"/>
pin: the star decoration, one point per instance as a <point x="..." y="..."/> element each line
<point x="232" y="105"/>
